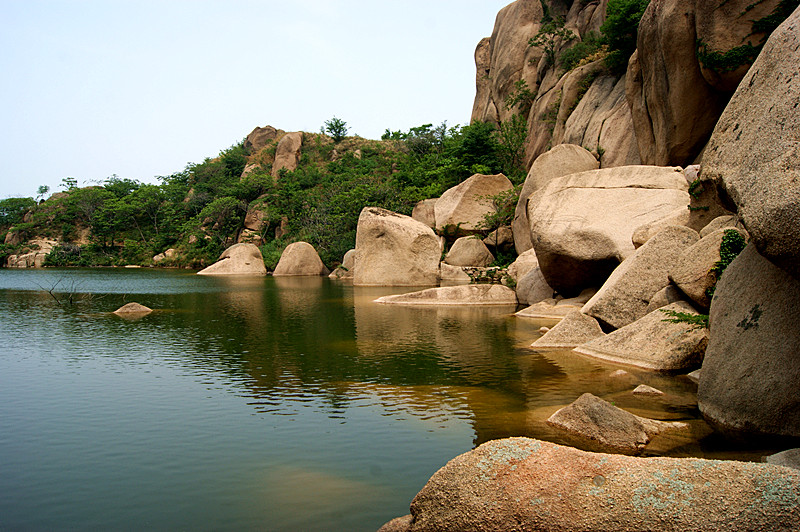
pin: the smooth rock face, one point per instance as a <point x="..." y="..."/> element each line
<point x="347" y="268"/>
<point x="300" y="258"/>
<point x="469" y="251"/>
<point x="788" y="458"/>
<point x="501" y="238"/>
<point x="533" y="287"/>
<point x="524" y="263"/>
<point x="239" y="259"/>
<point x="662" y="298"/>
<point x="460" y="210"/>
<point x="260" y="137"/>
<point x="645" y="232"/>
<point x="674" y="99"/>
<point x="691" y="272"/>
<point x="556" y="308"/>
<point x="753" y="153"/>
<point x="582" y="224"/>
<point x="598" y="425"/>
<point x="535" y="485"/>
<point x="423" y="212"/>
<point x="562" y="160"/>
<point x="575" y="329"/>
<point x="473" y="294"/>
<point x="646" y="390"/>
<point x="32" y="259"/>
<point x="133" y="308"/>
<point x="728" y="221"/>
<point x="453" y="273"/>
<point x="287" y="153"/>
<point x="395" y="250"/>
<point x="653" y="343"/>
<point x="751" y="375"/>
<point x="626" y="294"/>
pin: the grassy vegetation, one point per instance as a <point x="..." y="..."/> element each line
<point x="201" y="210"/>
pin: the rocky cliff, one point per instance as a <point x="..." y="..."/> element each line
<point x="690" y="56"/>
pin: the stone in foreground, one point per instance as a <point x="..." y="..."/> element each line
<point x="653" y="343"/>
<point x="598" y="425"/>
<point x="239" y="259"/>
<point x="518" y="484"/>
<point x="473" y="294"/>
<point x="300" y="259"/>
<point x="751" y="373"/>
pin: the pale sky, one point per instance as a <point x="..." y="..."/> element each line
<point x="140" y="88"/>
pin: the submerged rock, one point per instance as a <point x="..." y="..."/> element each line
<point x="518" y="484"/>
<point x="133" y="308"/>
<point x="600" y="426"/>
<point x="473" y="294"/>
<point x="239" y="259"/>
<point x="575" y="329"/>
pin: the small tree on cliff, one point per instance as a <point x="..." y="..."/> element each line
<point x="550" y="36"/>
<point x="336" y="128"/>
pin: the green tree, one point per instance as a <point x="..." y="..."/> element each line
<point x="12" y="210"/>
<point x="551" y="35"/>
<point x="336" y="128"/>
<point x="69" y="183"/>
<point x="511" y="135"/>
<point x="621" y="29"/>
<point x="41" y="192"/>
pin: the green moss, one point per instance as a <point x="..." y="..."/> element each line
<point x="726" y="61"/>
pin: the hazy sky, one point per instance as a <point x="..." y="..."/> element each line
<point x="139" y="88"/>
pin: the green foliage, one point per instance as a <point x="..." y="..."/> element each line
<point x="550" y="36"/>
<point x="336" y="128"/>
<point x="726" y="61"/>
<point x="572" y="56"/>
<point x="732" y="244"/>
<point x="12" y="210"/>
<point x="510" y="136"/>
<point x="745" y="54"/>
<point x="521" y="97"/>
<point x="620" y="31"/>
<point x="697" y="321"/>
<point x="69" y="183"/>
<point x="782" y="11"/>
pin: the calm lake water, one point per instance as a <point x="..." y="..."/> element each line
<point x="262" y="403"/>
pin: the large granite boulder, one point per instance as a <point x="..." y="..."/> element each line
<point x="424" y="212"/>
<point x="753" y="153"/>
<point x="751" y="372"/>
<point x="653" y="342"/>
<point x="239" y="259"/>
<point x="562" y="160"/>
<point x="693" y="271"/>
<point x="287" y="154"/>
<point x="395" y="250"/>
<point x="300" y="258"/>
<point x="517" y="484"/>
<point x="597" y="425"/>
<point x="469" y="251"/>
<point x="472" y="294"/>
<point x="626" y="294"/>
<point x="461" y="209"/>
<point x="260" y="137"/>
<point x="582" y="224"/>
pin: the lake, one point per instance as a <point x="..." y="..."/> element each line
<point x="262" y="403"/>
